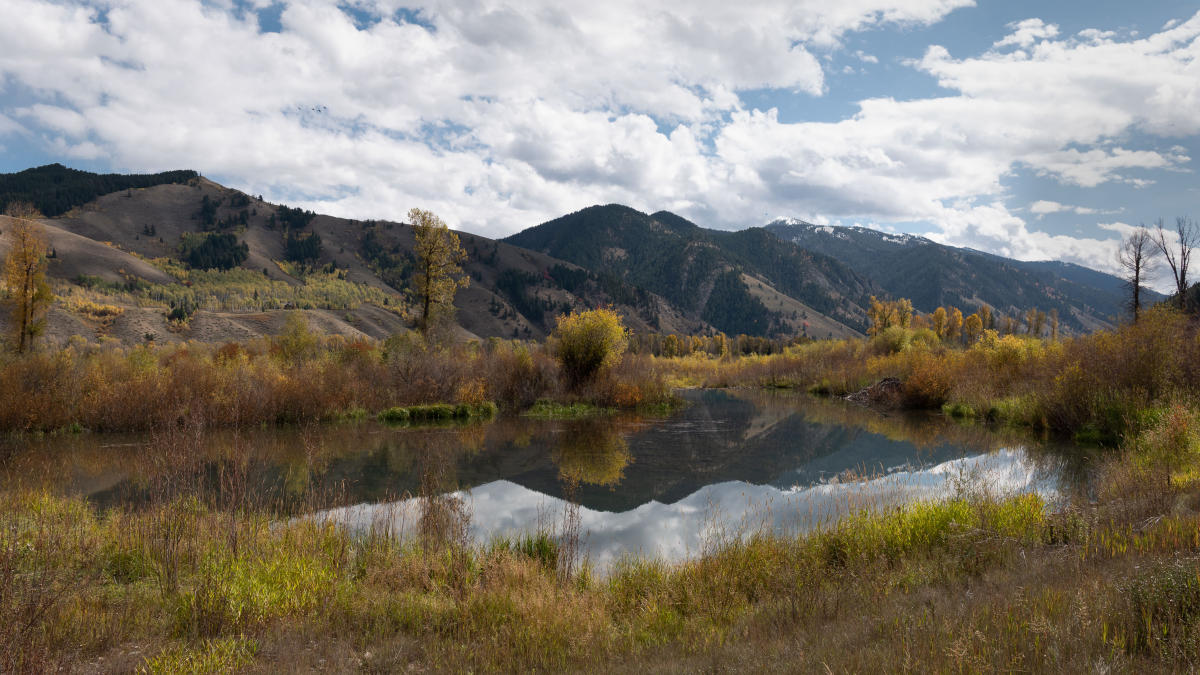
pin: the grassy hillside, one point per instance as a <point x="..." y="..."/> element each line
<point x="175" y="256"/>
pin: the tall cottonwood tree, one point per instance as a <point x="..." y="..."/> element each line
<point x="1187" y="238"/>
<point x="972" y="328"/>
<point x="1134" y="257"/>
<point x="25" y="273"/>
<point x="954" y="324"/>
<point x="884" y="314"/>
<point x="439" y="272"/>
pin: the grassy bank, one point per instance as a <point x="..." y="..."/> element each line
<point x="1105" y="386"/>
<point x="297" y="377"/>
<point x="974" y="582"/>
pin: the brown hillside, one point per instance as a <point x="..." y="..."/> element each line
<point x="117" y="271"/>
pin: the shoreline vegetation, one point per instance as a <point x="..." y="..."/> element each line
<point x="1105" y="578"/>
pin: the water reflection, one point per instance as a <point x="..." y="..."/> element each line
<point x="714" y="512"/>
<point x="651" y="485"/>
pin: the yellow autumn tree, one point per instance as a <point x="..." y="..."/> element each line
<point x="587" y="342"/>
<point x="972" y="328"/>
<point x="884" y="314"/>
<point x="439" y="272"/>
<point x="25" y="274"/>
<point x="954" y="324"/>
<point x="938" y="320"/>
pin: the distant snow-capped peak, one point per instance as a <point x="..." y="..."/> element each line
<point x="791" y="221"/>
<point x="845" y="231"/>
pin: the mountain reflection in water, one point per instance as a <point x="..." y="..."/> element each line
<point x="684" y="528"/>
<point x="732" y="461"/>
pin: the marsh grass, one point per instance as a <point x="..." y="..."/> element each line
<point x="298" y="378"/>
<point x="1103" y="387"/>
<point x="972" y="581"/>
<point x="1101" y="580"/>
<point x="550" y="410"/>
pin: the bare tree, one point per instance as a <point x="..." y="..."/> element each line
<point x="1134" y="256"/>
<point x="1188" y="238"/>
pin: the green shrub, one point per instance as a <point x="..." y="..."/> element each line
<point x="238" y="594"/>
<point x="126" y="565"/>
<point x="438" y="412"/>
<point x="1015" y="410"/>
<point x="435" y="412"/>
<point x="486" y="410"/>
<point x="586" y="342"/>
<point x="892" y="340"/>
<point x="549" y="410"/>
<point x="394" y="415"/>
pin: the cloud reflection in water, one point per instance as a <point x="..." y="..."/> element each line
<point x="680" y="530"/>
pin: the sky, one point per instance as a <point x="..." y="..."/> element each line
<point x="1029" y="129"/>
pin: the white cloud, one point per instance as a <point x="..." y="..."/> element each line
<point x="499" y="116"/>
<point x="1026" y="32"/>
<point x="1043" y="207"/>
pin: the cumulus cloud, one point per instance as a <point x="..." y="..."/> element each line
<point x="1026" y="32"/>
<point x="499" y="116"/>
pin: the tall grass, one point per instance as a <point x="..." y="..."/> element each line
<point x="962" y="584"/>
<point x="296" y="377"/>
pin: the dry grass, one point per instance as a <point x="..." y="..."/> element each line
<point x="297" y="377"/>
<point x="969" y="583"/>
<point x="1106" y="581"/>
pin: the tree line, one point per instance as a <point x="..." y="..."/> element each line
<point x="949" y="325"/>
<point x="52" y="190"/>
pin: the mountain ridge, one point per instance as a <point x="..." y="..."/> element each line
<point x="932" y="275"/>
<point x="738" y="282"/>
<point x="130" y="249"/>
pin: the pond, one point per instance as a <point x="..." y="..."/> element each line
<point x="731" y="462"/>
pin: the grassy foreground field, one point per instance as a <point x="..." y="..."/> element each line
<point x="1107" y="579"/>
<point x="971" y="583"/>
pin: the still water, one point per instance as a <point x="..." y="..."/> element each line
<point x="730" y="463"/>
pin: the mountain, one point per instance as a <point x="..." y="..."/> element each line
<point x="934" y="275"/>
<point x="138" y="263"/>
<point x="175" y="256"/>
<point x="748" y="281"/>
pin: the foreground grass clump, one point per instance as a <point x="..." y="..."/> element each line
<point x="438" y="412"/>
<point x="550" y="410"/>
<point x="969" y="583"/>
